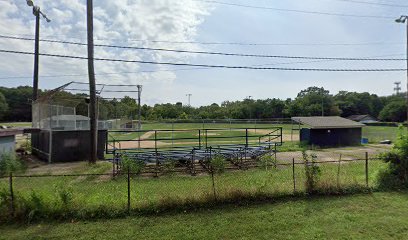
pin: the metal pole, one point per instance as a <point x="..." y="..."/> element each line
<point x="139" y="93"/>
<point x="11" y="194"/>
<point x="366" y="168"/>
<point x="128" y="190"/>
<point x="92" y="85"/>
<point x="293" y="174"/>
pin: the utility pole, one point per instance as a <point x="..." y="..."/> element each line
<point x="189" y="97"/>
<point x="403" y="19"/>
<point x="92" y="85"/>
<point x="397" y="88"/>
<point x="139" y="93"/>
<point x="36" y="12"/>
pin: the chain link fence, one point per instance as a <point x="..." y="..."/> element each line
<point x="119" y="192"/>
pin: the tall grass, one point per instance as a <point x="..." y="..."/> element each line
<point x="81" y="197"/>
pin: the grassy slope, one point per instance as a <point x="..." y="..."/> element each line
<point x="373" y="216"/>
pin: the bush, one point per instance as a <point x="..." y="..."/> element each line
<point x="312" y="172"/>
<point x="396" y="176"/>
<point x="131" y="165"/>
<point x="217" y="163"/>
<point x="9" y="163"/>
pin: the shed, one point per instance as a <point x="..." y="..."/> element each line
<point x="329" y="131"/>
<point x="8" y="140"/>
<point x="362" y="118"/>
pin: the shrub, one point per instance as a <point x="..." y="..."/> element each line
<point x="267" y="160"/>
<point x="131" y="165"/>
<point x="312" y="172"/>
<point x="396" y="175"/>
<point x="217" y="163"/>
<point x="9" y="163"/>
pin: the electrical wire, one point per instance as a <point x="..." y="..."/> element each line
<point x="374" y="3"/>
<point x="296" y="10"/>
<point x="208" y="65"/>
<point x="208" y="52"/>
<point x="31" y="37"/>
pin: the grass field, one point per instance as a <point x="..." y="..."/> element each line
<point x="92" y="193"/>
<point x="370" y="216"/>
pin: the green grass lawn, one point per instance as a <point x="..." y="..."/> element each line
<point x="369" y="216"/>
<point x="375" y="134"/>
<point x="17" y="124"/>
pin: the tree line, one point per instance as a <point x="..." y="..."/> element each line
<point x="15" y="105"/>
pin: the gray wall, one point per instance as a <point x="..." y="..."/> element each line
<point x="67" y="146"/>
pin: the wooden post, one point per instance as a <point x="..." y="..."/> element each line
<point x="293" y="174"/>
<point x="92" y="85"/>
<point x="366" y="168"/>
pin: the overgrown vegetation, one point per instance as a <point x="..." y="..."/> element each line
<point x="396" y="175"/>
<point x="9" y="163"/>
<point x="312" y="172"/>
<point x="76" y="197"/>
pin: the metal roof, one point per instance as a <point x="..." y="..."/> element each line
<point x="360" y="117"/>
<point x="327" y="122"/>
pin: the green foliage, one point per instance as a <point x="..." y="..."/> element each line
<point x="397" y="173"/>
<point x="353" y="103"/>
<point x="131" y="165"/>
<point x="217" y="163"/>
<point x="312" y="172"/>
<point x="65" y="194"/>
<point x="311" y="102"/>
<point x="266" y="161"/>
<point x="3" y="106"/>
<point x="9" y="163"/>
<point x="395" y="111"/>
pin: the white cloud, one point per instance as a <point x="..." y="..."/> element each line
<point x="115" y="22"/>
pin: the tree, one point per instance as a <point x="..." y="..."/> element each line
<point x="312" y="102"/>
<point x="3" y="106"/>
<point x="394" y="112"/>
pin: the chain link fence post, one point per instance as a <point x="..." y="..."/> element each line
<point x="366" y="168"/>
<point x="12" y="206"/>
<point x="128" y="190"/>
<point x="293" y="174"/>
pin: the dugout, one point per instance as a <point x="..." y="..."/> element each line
<point x="329" y="131"/>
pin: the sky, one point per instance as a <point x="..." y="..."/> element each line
<point x="265" y="27"/>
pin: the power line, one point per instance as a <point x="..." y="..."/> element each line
<point x="374" y="3"/>
<point x="210" y="53"/>
<point x="296" y="10"/>
<point x="208" y="65"/>
<point x="179" y="69"/>
<point x="225" y="43"/>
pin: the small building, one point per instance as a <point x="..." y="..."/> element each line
<point x="8" y="140"/>
<point x="362" y="118"/>
<point x="329" y="131"/>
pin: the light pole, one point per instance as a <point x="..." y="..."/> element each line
<point x="37" y="12"/>
<point x="189" y="97"/>
<point x="249" y="104"/>
<point x="404" y="19"/>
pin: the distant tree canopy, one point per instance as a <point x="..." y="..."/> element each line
<point x="15" y="105"/>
